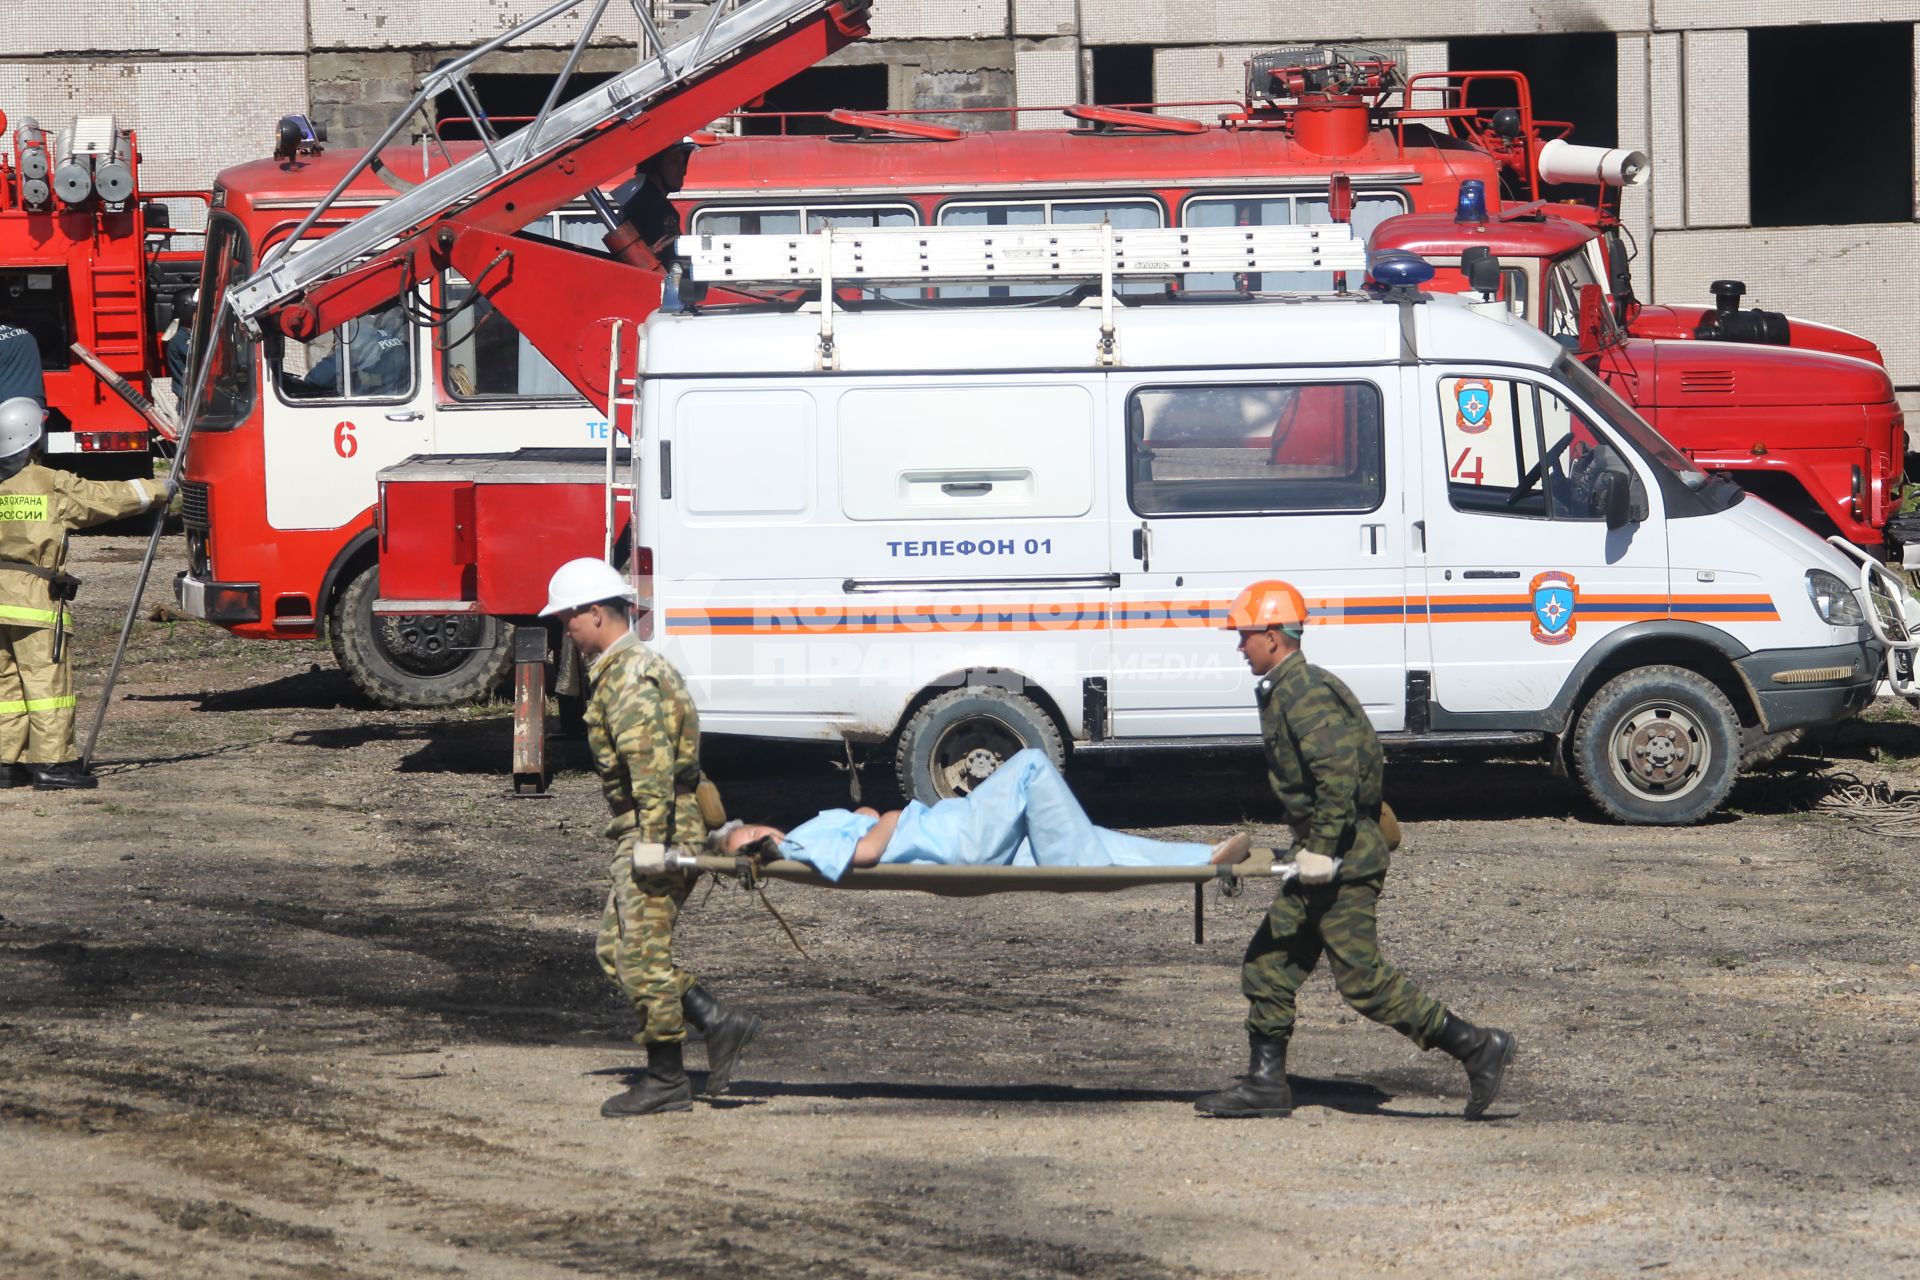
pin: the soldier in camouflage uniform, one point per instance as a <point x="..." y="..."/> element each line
<point x="645" y="736"/>
<point x="1324" y="762"/>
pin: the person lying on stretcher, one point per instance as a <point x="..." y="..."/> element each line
<point x="1021" y="816"/>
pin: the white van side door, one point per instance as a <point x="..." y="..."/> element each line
<point x="1523" y="576"/>
<point x="1221" y="480"/>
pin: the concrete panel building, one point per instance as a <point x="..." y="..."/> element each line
<point x="1782" y="132"/>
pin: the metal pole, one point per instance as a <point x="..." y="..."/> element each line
<point x="613" y="428"/>
<point x="153" y="539"/>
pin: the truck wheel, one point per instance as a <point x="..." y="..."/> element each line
<point x="955" y="742"/>
<point x="1659" y="745"/>
<point x="424" y="660"/>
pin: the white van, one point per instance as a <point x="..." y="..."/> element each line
<point x="972" y="536"/>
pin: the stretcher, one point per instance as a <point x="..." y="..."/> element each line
<point x="975" y="882"/>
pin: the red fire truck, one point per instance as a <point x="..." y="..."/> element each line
<point x="86" y="257"/>
<point x="261" y="570"/>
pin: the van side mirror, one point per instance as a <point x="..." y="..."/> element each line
<point x="1617" y="494"/>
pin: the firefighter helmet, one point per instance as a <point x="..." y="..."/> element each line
<point x="579" y="583"/>
<point x="1263" y="605"/>
<point x="20" y="422"/>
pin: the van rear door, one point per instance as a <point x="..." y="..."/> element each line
<point x="1220" y="482"/>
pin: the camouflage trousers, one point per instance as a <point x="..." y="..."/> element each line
<point x="1338" y="919"/>
<point x="636" y="948"/>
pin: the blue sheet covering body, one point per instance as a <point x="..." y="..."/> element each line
<point x="1022" y="816"/>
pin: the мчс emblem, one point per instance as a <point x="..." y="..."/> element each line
<point x="1473" y="404"/>
<point x="1555" y="597"/>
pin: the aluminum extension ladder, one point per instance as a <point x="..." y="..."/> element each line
<point x="708" y="35"/>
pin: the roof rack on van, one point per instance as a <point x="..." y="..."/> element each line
<point x="914" y="255"/>
<point x="911" y="255"/>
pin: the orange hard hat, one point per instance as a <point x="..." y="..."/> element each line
<point x="1272" y="603"/>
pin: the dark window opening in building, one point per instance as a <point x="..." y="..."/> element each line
<point x="510" y="102"/>
<point x="1849" y="160"/>
<point x="800" y="105"/>
<point x="1122" y="74"/>
<point x="1570" y="77"/>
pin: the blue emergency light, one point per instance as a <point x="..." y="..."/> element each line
<point x="1473" y="202"/>
<point x="1399" y="269"/>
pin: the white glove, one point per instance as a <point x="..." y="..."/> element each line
<point x="649" y="859"/>
<point x="1315" y="868"/>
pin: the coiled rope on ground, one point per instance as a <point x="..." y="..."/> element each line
<point x="1878" y="807"/>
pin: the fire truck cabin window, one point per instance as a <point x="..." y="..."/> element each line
<point x="228" y="350"/>
<point x="1255" y="447"/>
<point x="371" y="358"/>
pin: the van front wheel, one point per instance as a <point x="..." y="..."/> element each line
<point x="1659" y="745"/>
<point x="955" y="742"/>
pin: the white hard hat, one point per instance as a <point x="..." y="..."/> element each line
<point x="20" y="422"/>
<point x="579" y="583"/>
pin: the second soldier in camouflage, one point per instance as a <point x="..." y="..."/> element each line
<point x="1325" y="765"/>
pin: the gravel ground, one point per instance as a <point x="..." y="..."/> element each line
<point x="300" y="991"/>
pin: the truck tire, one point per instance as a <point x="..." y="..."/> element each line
<point x="1658" y="746"/>
<point x="955" y="742"/>
<point x="425" y="660"/>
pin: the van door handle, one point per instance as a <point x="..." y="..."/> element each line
<point x="1420" y="536"/>
<point x="1370" y="538"/>
<point x="967" y="489"/>
<point x="1142" y="545"/>
<point x="411" y="415"/>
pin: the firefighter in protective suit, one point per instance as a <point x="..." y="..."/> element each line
<point x="38" y="508"/>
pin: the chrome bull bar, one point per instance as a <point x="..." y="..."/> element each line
<point x="1887" y="602"/>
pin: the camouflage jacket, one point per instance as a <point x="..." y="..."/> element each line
<point x="1324" y="761"/>
<point x="645" y="736"/>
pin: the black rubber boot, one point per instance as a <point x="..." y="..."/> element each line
<point x="663" y="1088"/>
<point x="1262" y="1091"/>
<point x="1485" y="1052"/>
<point x="15" y="775"/>
<point x="727" y="1034"/>
<point x="69" y="776"/>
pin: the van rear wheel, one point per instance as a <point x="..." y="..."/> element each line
<point x="956" y="741"/>
<point x="1658" y="746"/>
<point x="424" y="660"/>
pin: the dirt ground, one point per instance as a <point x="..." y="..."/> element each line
<point x="300" y="991"/>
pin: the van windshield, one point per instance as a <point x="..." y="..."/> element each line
<point x="1620" y="416"/>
